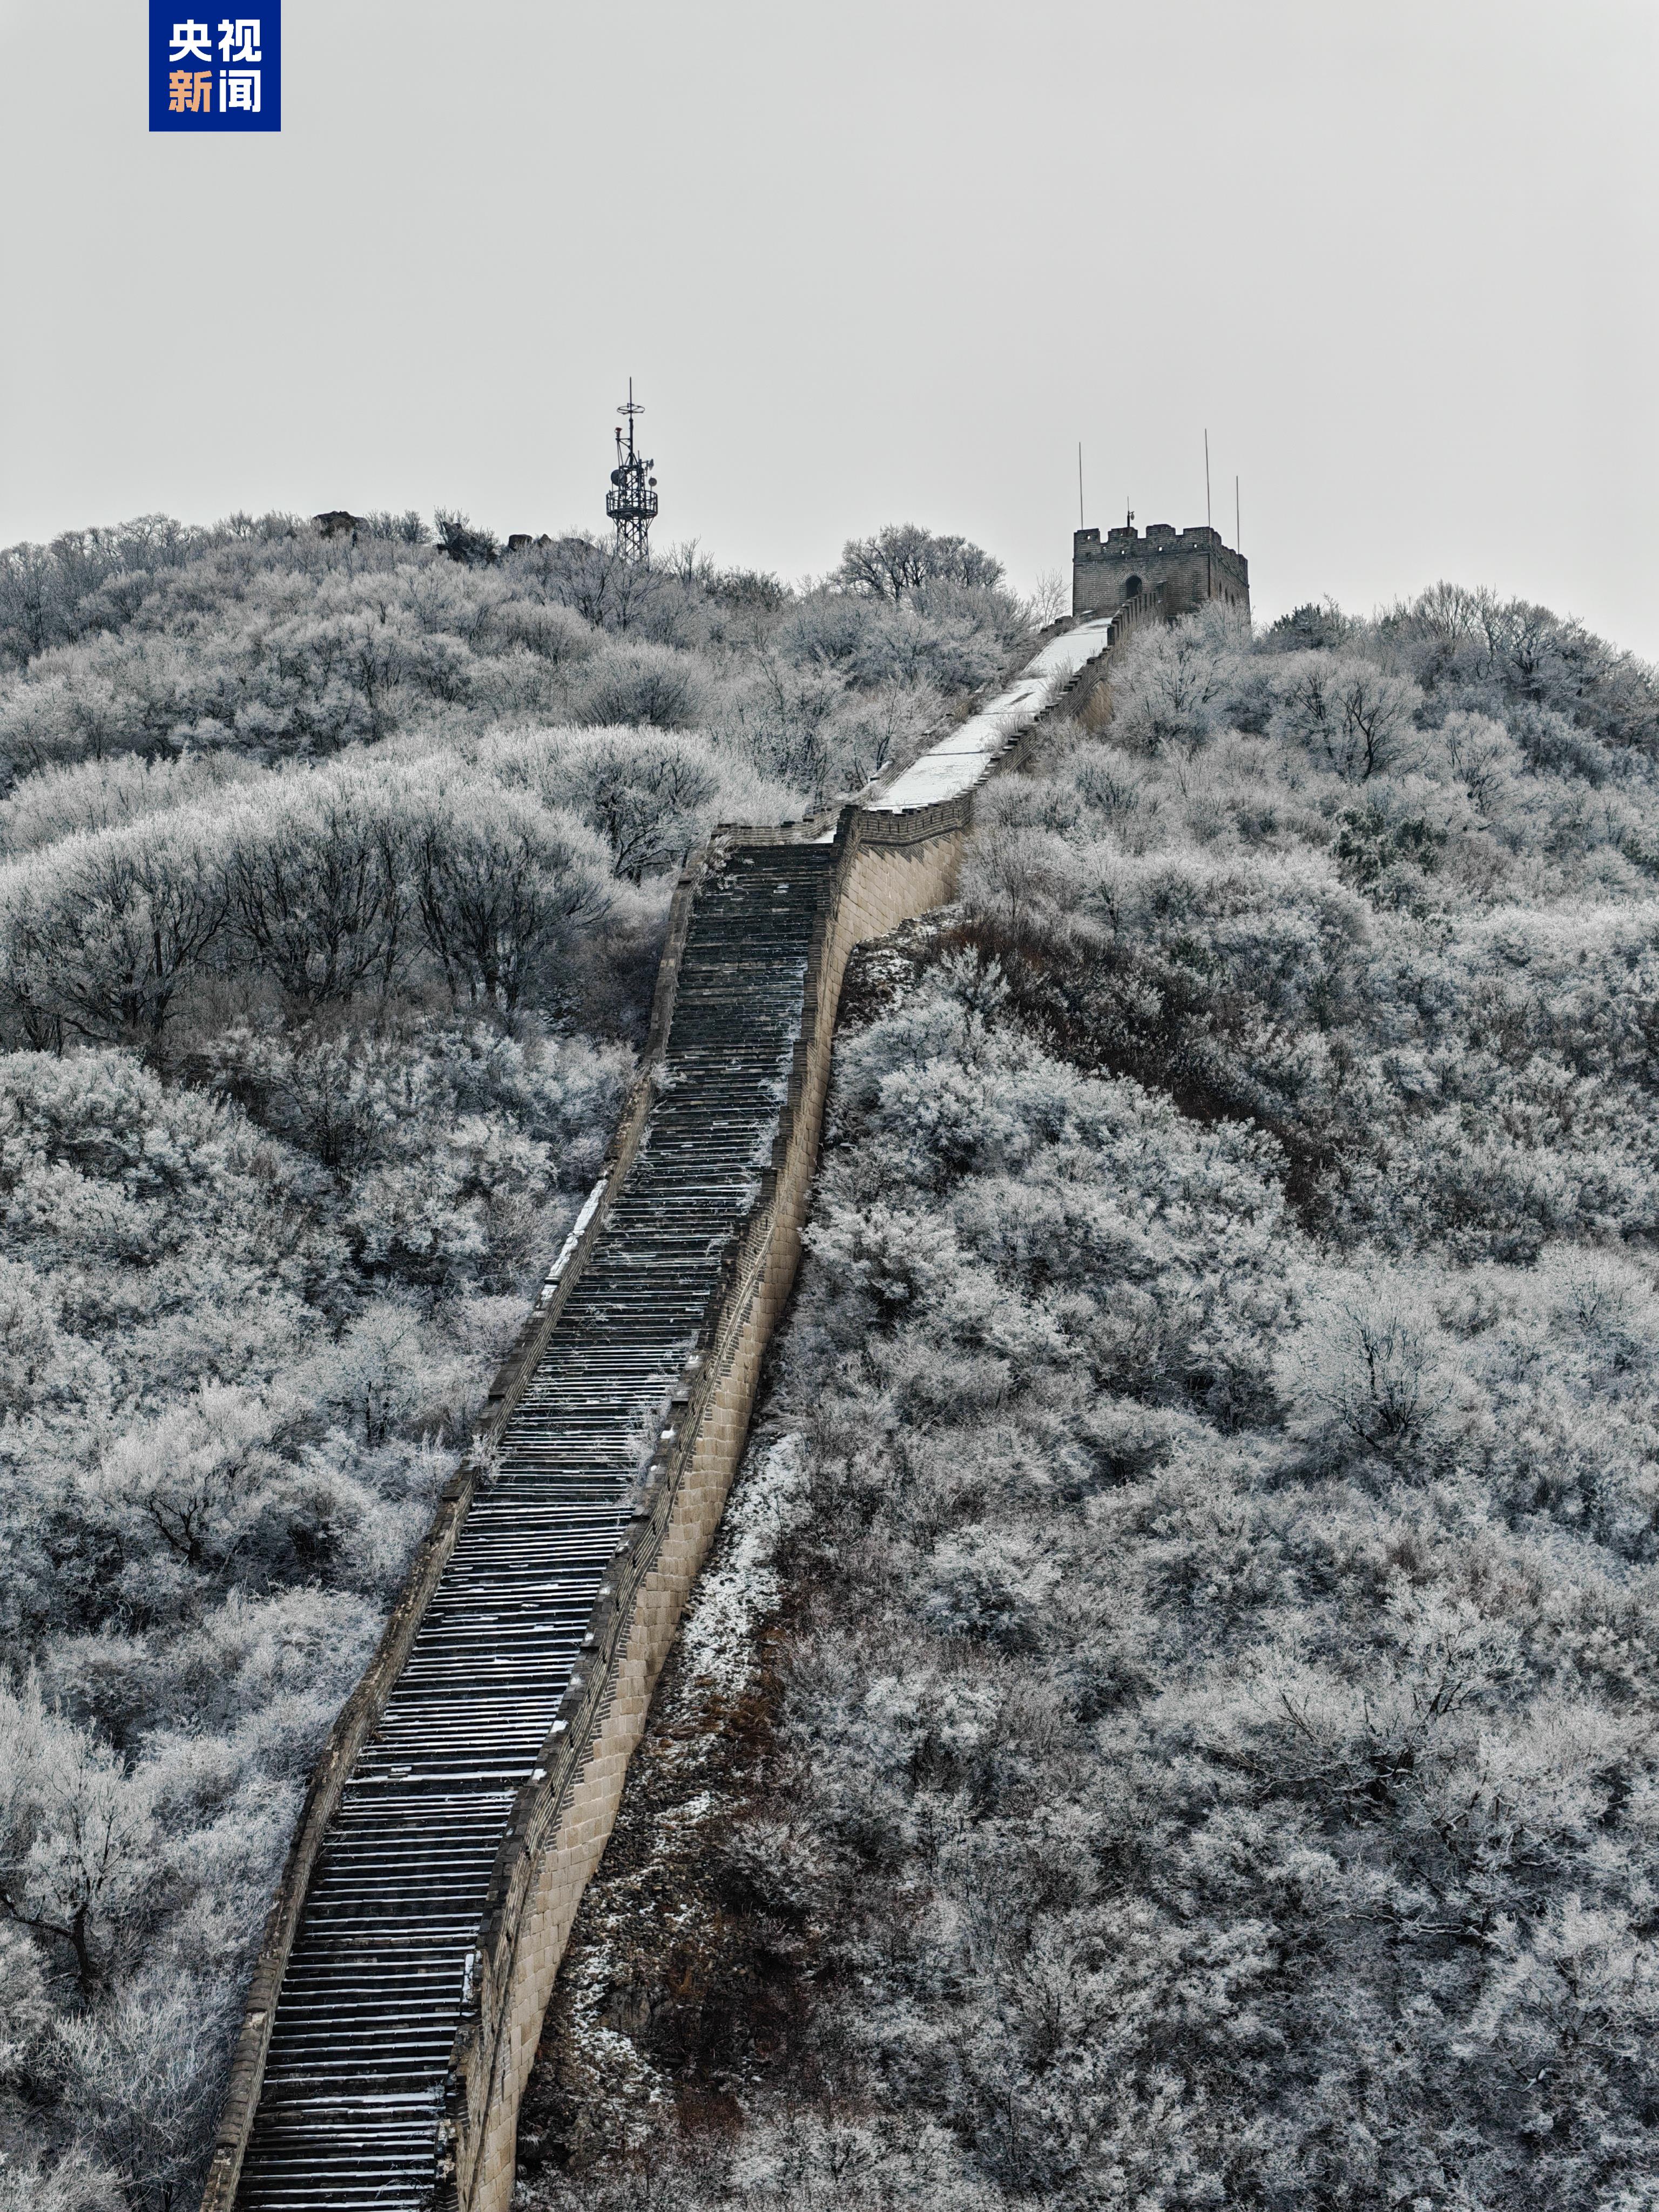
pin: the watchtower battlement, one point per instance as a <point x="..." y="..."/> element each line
<point x="1182" y="568"/>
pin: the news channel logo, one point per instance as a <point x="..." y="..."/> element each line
<point x="215" y="72"/>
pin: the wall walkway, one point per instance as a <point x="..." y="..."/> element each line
<point x="471" y="1781"/>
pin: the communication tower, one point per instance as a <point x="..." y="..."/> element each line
<point x="631" y="502"/>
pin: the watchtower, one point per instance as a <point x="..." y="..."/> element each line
<point x="631" y="502"/>
<point x="1182" y="568"/>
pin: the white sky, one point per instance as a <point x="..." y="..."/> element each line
<point x="881" y="261"/>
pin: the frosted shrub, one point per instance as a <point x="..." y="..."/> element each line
<point x="326" y="678"/>
<point x="1014" y="871"/>
<point x="100" y="699"/>
<point x="146" y="2074"/>
<point x="341" y="1100"/>
<point x="316" y="881"/>
<point x="197" y="1481"/>
<point x="77" y="1837"/>
<point x="785" y="718"/>
<point x="648" y="794"/>
<point x="104" y="935"/>
<point x="1173" y="683"/>
<point x="502" y="885"/>
<point x="1553" y="742"/>
<point x="31" y="1347"/>
<point x="993" y="1586"/>
<point x="880" y="728"/>
<point x="1608" y="1300"/>
<point x="103" y="794"/>
<point x="949" y="645"/>
<point x="1484" y="759"/>
<point x="1352" y="716"/>
<point x="557" y="634"/>
<point x="385" y="1374"/>
<point x="649" y="684"/>
<point x="74" y="2183"/>
<point x="856" y="682"/>
<point x="1372" y="1372"/>
<point x="26" y="2013"/>
<point x="827" y="629"/>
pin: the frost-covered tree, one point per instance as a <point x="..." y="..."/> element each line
<point x="104" y="932"/>
<point x="317" y="890"/>
<point x="902" y="558"/>
<point x="642" y="684"/>
<point x="646" y="794"/>
<point x="76" y="1836"/>
<point x="501" y="886"/>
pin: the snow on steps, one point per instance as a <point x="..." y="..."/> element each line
<point x="967" y="755"/>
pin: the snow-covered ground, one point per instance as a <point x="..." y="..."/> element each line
<point x="965" y="755"/>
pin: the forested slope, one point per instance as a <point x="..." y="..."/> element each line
<point x="1171" y="1719"/>
<point x="332" y="872"/>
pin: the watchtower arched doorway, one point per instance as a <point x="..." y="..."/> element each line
<point x="1133" y="588"/>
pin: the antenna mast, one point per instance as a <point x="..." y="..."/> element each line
<point x="631" y="503"/>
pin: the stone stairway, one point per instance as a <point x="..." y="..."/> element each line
<point x="379" y="1971"/>
<point x="473" y="1776"/>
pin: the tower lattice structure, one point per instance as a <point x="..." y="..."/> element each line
<point x="631" y="502"/>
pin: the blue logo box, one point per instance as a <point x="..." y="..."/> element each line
<point x="214" y="72"/>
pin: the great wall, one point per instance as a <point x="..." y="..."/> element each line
<point x="469" y="1783"/>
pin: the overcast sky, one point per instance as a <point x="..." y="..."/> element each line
<point x="869" y="261"/>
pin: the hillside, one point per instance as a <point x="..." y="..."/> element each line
<point x="1170" y="1718"/>
<point x="332" y="876"/>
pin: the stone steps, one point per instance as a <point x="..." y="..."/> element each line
<point x="372" y="1995"/>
